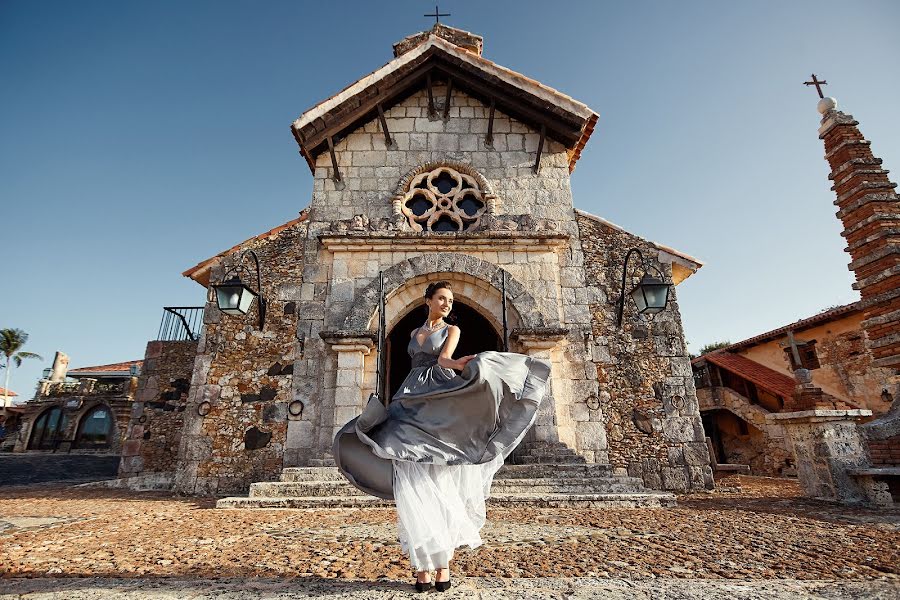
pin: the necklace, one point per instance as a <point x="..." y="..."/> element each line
<point x="427" y="327"/>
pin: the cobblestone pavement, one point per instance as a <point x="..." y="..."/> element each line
<point x="753" y="533"/>
<point x="581" y="588"/>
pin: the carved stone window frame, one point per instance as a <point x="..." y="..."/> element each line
<point x="420" y="183"/>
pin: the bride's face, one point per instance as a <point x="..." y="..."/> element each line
<point x="440" y="304"/>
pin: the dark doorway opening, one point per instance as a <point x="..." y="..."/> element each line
<point x="477" y="335"/>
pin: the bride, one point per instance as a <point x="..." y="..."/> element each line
<point x="437" y="446"/>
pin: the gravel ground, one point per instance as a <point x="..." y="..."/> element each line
<point x="753" y="530"/>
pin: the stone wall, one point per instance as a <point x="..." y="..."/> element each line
<point x="157" y="415"/>
<point x="235" y="424"/>
<point x="647" y="402"/>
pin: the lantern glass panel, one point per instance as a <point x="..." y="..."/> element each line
<point x="657" y="295"/>
<point x="637" y="294"/>
<point x="247" y="297"/>
<point x="234" y="299"/>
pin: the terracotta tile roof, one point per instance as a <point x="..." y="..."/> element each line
<point x="11" y="394"/>
<point x="817" y="319"/>
<point x="764" y="377"/>
<point x="114" y="367"/>
<point x="200" y="271"/>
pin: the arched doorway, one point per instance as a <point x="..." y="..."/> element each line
<point x="95" y="428"/>
<point x="48" y="429"/>
<point x="478" y="335"/>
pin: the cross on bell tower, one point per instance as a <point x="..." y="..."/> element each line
<point x="816" y="83"/>
<point x="437" y="15"/>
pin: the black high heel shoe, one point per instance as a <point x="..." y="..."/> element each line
<point x="442" y="586"/>
<point x="423" y="586"/>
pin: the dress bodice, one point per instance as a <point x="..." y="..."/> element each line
<point x="431" y="346"/>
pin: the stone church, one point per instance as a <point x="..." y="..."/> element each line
<point x="439" y="165"/>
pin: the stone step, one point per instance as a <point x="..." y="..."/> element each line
<point x="311" y="474"/>
<point x="566" y="485"/>
<point x="613" y="500"/>
<point x="535" y="471"/>
<point x="285" y="489"/>
<point x="545" y="459"/>
<point x="528" y="471"/>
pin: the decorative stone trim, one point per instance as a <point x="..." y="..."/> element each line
<point x="538" y="338"/>
<point x="446" y="262"/>
<point x="343" y="340"/>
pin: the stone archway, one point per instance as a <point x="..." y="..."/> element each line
<point x="479" y="281"/>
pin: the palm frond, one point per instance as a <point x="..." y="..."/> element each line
<point x="11" y="340"/>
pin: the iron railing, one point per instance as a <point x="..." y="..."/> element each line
<point x="180" y="323"/>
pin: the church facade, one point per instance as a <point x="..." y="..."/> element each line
<point x="441" y="165"/>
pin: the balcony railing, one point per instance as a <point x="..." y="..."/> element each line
<point x="180" y="323"/>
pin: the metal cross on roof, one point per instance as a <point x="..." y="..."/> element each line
<point x="437" y="15"/>
<point x="816" y="83"/>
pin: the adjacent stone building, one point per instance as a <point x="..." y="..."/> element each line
<point x="79" y="410"/>
<point x="439" y="165"/>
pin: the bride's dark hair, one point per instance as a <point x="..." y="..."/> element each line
<point x="429" y="293"/>
<point x="435" y="286"/>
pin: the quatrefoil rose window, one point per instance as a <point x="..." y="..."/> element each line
<point x="443" y="200"/>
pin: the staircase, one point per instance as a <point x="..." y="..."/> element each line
<point x="543" y="452"/>
<point x="535" y="485"/>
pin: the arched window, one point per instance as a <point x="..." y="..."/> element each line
<point x="443" y="200"/>
<point x="95" y="428"/>
<point x="48" y="429"/>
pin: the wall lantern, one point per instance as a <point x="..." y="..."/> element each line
<point x="234" y="297"/>
<point x="650" y="295"/>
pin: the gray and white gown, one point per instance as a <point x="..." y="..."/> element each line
<point x="436" y="447"/>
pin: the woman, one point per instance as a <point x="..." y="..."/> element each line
<point x="436" y="448"/>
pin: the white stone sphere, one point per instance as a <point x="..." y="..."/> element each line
<point x="826" y="104"/>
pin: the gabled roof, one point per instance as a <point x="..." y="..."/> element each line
<point x="764" y="377"/>
<point x="566" y="120"/>
<point x="112" y="370"/>
<point x="200" y="271"/>
<point x="683" y="265"/>
<point x="823" y="317"/>
<point x="5" y="392"/>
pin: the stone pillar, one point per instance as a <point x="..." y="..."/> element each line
<point x="827" y="443"/>
<point x="553" y="439"/>
<point x="347" y="395"/>
<point x="544" y="428"/>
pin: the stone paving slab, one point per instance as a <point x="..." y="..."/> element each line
<point x="570" y="588"/>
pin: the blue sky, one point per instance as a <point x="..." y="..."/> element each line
<point x="138" y="138"/>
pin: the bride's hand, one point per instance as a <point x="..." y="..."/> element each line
<point x="464" y="361"/>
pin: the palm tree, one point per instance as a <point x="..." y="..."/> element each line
<point x="11" y="342"/>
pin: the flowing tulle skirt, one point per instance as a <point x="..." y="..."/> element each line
<point x="440" y="508"/>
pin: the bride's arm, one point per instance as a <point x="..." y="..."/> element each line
<point x="446" y="358"/>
